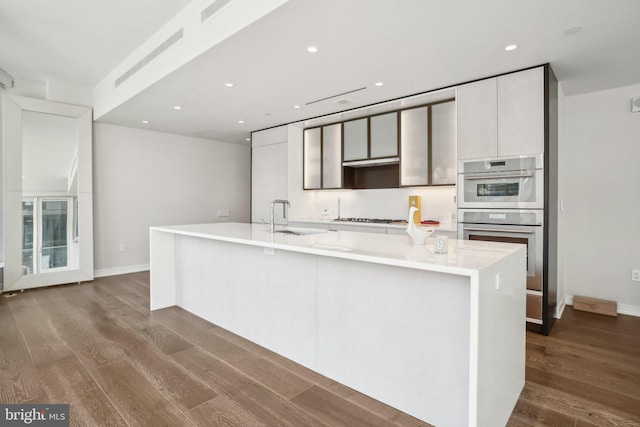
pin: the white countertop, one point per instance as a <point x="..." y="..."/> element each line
<point x="463" y="258"/>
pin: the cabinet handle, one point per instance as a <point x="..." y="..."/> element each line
<point x="499" y="230"/>
<point x="498" y="176"/>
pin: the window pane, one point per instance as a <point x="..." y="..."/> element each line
<point x="54" y="234"/>
<point x="27" y="236"/>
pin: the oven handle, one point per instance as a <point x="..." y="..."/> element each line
<point x="527" y="174"/>
<point x="500" y="230"/>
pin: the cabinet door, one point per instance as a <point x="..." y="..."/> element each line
<point x="269" y="179"/>
<point x="332" y="156"/>
<point x="521" y="113"/>
<point x="477" y="119"/>
<point x="384" y="135"/>
<point x="356" y="139"/>
<point x="312" y="159"/>
<point x="443" y="143"/>
<point x="414" y="143"/>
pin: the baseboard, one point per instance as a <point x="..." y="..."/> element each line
<point x="628" y="309"/>
<point x="120" y="270"/>
<point x="560" y="308"/>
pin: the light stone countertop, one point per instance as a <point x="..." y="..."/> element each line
<point x="464" y="257"/>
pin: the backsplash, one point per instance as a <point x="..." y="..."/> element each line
<point x="437" y="203"/>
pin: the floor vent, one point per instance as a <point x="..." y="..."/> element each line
<point x="157" y="51"/>
<point x="212" y="9"/>
<point x="337" y="95"/>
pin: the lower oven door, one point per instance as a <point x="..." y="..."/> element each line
<point x="529" y="235"/>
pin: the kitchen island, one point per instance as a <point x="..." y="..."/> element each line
<point x="439" y="336"/>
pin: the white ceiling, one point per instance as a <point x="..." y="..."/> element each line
<point x="411" y="45"/>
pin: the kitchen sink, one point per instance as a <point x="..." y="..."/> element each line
<point x="298" y="231"/>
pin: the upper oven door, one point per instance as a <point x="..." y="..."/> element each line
<point x="501" y="183"/>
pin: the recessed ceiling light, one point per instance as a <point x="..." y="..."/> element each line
<point x="379" y="83"/>
<point x="312" y="49"/>
<point x="247" y="139"/>
<point x="296" y="106"/>
<point x="228" y="84"/>
<point x="510" y="47"/>
<point x="146" y="122"/>
<point x="572" y="31"/>
<point x="177" y="107"/>
<point x="241" y="121"/>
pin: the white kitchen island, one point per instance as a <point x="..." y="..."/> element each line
<point x="441" y="337"/>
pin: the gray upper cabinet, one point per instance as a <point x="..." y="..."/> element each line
<point x="384" y="135"/>
<point x="356" y="140"/>
<point x="502" y="116"/>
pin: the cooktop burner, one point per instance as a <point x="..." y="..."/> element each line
<point x="369" y="220"/>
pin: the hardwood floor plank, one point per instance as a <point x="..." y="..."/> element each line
<point x="336" y="411"/>
<point x="222" y="412"/>
<point x="90" y="348"/>
<point x="587" y="410"/>
<point x="67" y="381"/>
<point x="273" y="376"/>
<point x="119" y="312"/>
<point x="42" y="339"/>
<point x="184" y="390"/>
<point x="137" y="400"/>
<point x="263" y="404"/>
<point x="164" y="339"/>
<point x="18" y="376"/>
<point x="532" y="413"/>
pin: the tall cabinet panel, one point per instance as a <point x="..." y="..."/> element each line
<point x="443" y="143"/>
<point x="269" y="171"/>
<point x="332" y="156"/>
<point x="414" y="146"/>
<point x="312" y="158"/>
<point x="521" y="113"/>
<point x="477" y="119"/>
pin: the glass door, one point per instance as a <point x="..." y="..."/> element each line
<point x="47" y="230"/>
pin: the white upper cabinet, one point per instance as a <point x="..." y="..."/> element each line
<point x="502" y="116"/>
<point x="384" y="135"/>
<point x="521" y="113"/>
<point x="477" y="119"/>
<point x="356" y="139"/>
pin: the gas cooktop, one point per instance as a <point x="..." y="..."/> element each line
<point x="369" y="220"/>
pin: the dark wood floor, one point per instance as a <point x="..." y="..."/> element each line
<point x="97" y="347"/>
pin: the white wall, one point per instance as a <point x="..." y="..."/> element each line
<point x="144" y="178"/>
<point x="600" y="187"/>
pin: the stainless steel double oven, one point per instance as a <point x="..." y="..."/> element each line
<point x="502" y="200"/>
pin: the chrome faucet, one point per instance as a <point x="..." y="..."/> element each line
<point x="272" y="220"/>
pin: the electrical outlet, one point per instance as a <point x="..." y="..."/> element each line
<point x="123" y="248"/>
<point x="223" y="213"/>
<point x="635" y="275"/>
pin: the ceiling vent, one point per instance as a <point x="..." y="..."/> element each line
<point x="343" y="101"/>
<point x="151" y="56"/>
<point x="337" y="95"/>
<point x="212" y="9"/>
